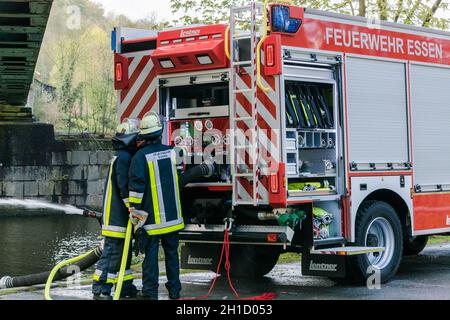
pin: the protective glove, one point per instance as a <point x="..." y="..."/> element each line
<point x="138" y="219"/>
<point x="140" y="241"/>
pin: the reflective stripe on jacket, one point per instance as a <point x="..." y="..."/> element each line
<point x="115" y="201"/>
<point x="154" y="188"/>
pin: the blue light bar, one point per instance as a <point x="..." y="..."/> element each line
<point x="113" y="40"/>
<point x="282" y="22"/>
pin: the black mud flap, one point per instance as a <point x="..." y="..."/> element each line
<point x="200" y="256"/>
<point x="319" y="264"/>
<point x="326" y="265"/>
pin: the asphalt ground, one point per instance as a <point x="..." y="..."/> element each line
<point x="424" y="277"/>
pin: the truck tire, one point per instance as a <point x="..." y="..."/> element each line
<point x="377" y="224"/>
<point x="414" y="245"/>
<point x="252" y="261"/>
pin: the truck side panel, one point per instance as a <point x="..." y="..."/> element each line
<point x="377" y="110"/>
<point x="141" y="94"/>
<point x="430" y="103"/>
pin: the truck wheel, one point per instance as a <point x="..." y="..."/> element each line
<point x="414" y="245"/>
<point x="252" y="261"/>
<point x="377" y="224"/>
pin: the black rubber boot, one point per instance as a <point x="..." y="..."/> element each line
<point x="172" y="294"/>
<point x="102" y="297"/>
<point x="142" y="296"/>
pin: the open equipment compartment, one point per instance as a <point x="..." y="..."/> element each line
<point x="199" y="95"/>
<point x="311" y="138"/>
<point x="313" y="145"/>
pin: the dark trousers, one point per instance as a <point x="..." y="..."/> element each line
<point x="108" y="267"/>
<point x="150" y="267"/>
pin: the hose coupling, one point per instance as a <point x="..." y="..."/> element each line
<point x="6" y="282"/>
<point x="228" y="223"/>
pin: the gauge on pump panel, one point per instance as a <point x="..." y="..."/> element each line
<point x="209" y="125"/>
<point x="216" y="139"/>
<point x="188" y="141"/>
<point x="198" y="125"/>
<point x="178" y="140"/>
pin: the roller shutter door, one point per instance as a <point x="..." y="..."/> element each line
<point x="377" y="111"/>
<point x="430" y="98"/>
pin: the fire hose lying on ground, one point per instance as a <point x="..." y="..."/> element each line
<point x="66" y="268"/>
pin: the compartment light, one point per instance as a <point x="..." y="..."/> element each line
<point x="166" y="63"/>
<point x="204" y="59"/>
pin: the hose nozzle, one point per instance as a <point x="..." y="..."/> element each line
<point x="92" y="214"/>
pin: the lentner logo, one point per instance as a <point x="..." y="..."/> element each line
<point x="322" y="267"/>
<point x="203" y="261"/>
<point x="190" y="33"/>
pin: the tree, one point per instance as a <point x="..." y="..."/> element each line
<point x="418" y="12"/>
<point x="68" y="92"/>
<point x="76" y="59"/>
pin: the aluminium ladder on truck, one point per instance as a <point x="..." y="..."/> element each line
<point x="243" y="98"/>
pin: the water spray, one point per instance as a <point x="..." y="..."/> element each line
<point x="37" y="204"/>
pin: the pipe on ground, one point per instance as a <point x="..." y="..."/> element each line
<point x="40" y="278"/>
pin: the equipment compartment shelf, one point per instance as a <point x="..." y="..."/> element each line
<point x="298" y="193"/>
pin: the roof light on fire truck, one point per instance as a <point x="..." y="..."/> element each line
<point x="282" y="21"/>
<point x="204" y="59"/>
<point x="166" y="64"/>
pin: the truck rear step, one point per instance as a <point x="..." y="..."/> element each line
<point x="273" y="235"/>
<point x="347" y="251"/>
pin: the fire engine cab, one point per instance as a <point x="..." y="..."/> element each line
<point x="328" y="135"/>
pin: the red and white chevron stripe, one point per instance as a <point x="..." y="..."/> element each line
<point x="268" y="127"/>
<point x="141" y="95"/>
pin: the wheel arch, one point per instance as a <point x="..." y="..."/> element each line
<point x="397" y="202"/>
<point x="398" y="199"/>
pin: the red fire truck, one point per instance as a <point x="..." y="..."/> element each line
<point x="328" y="134"/>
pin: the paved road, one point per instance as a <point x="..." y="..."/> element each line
<point x="426" y="276"/>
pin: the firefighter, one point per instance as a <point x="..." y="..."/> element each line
<point x="154" y="189"/>
<point x="115" y="216"/>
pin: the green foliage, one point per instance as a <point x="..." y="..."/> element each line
<point x="77" y="60"/>
<point x="68" y="92"/>
<point x="418" y="12"/>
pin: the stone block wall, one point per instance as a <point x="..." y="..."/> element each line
<point x="74" y="172"/>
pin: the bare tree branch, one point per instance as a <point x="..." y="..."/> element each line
<point x="431" y="13"/>
<point x="399" y="10"/>
<point x="362" y="8"/>
<point x="382" y="8"/>
<point x="412" y="12"/>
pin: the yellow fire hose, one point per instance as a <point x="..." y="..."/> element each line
<point x="126" y="249"/>
<point x="57" y="268"/>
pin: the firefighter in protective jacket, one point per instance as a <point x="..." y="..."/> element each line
<point x="154" y="189"/>
<point x="115" y="215"/>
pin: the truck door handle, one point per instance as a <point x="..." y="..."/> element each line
<point x="198" y="114"/>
